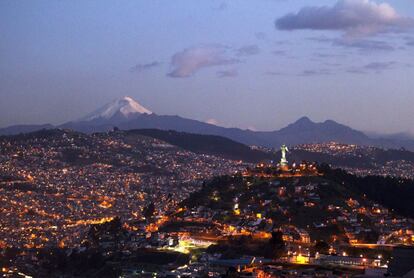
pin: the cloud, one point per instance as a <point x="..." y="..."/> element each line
<point x="279" y="52"/>
<point x="212" y="122"/>
<point x="379" y="66"/>
<point x="315" y="72"/>
<point x="227" y="73"/>
<point x="410" y="41"/>
<point x="248" y="50"/>
<point x="375" y="67"/>
<point x="189" y="61"/>
<point x="282" y="42"/>
<point x="322" y="39"/>
<point x="305" y="73"/>
<point x="275" y="73"/>
<point x="144" y="67"/>
<point x="359" y="44"/>
<point x="356" y="18"/>
<point x="261" y="36"/>
<point x="365" y="44"/>
<point x="221" y="7"/>
<point x="328" y="55"/>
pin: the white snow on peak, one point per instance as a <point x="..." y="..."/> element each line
<point x="127" y="106"/>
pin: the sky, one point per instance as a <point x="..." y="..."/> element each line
<point x="251" y="64"/>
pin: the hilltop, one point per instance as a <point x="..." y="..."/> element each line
<point x="336" y="207"/>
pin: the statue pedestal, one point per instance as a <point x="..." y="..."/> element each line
<point x="284" y="167"/>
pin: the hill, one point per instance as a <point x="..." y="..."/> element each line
<point x="393" y="193"/>
<point x="18" y="129"/>
<point x="360" y="160"/>
<point x="207" y="144"/>
<point x="196" y="143"/>
<point x="370" y="158"/>
<point x="335" y="207"/>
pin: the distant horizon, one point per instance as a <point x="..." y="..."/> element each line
<point x="303" y="117"/>
<point x="251" y="65"/>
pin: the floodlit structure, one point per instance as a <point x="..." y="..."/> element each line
<point x="283" y="160"/>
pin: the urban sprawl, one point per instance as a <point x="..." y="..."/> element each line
<point x="125" y="194"/>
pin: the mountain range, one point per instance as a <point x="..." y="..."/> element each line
<point x="126" y="113"/>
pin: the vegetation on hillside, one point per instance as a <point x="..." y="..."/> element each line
<point x="207" y="144"/>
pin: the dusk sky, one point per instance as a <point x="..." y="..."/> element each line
<point x="251" y="64"/>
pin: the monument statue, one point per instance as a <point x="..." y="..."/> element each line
<point x="283" y="160"/>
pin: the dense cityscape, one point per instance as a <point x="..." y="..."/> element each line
<point x="125" y="196"/>
<point x="365" y="160"/>
<point x="55" y="184"/>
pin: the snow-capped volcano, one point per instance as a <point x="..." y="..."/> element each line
<point x="125" y="107"/>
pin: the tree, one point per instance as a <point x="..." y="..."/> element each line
<point x="149" y="211"/>
<point x="276" y="246"/>
<point x="321" y="247"/>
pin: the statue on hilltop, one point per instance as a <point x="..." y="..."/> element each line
<point x="283" y="160"/>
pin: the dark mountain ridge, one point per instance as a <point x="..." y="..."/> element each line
<point x="17" y="129"/>
<point x="127" y="114"/>
<point x="207" y="144"/>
